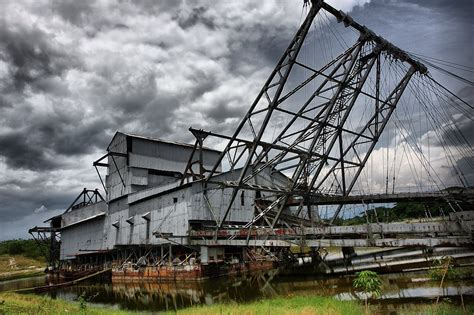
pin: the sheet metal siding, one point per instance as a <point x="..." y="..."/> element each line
<point x="151" y="191"/>
<point x="157" y="163"/>
<point x="113" y="182"/>
<point x="167" y="216"/>
<point x="118" y="235"/>
<point x="170" y="154"/>
<point x="147" y="155"/>
<point x="81" y="238"/>
<point x="82" y="213"/>
<point x="118" y="205"/>
<point x="219" y="199"/>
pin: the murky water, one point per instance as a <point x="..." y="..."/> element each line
<point x="400" y="290"/>
<point x="11" y="285"/>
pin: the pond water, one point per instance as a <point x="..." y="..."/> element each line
<point x="399" y="291"/>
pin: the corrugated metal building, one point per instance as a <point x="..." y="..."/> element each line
<point x="145" y="196"/>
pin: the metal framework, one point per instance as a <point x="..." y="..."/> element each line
<point x="102" y="164"/>
<point x="48" y="237"/>
<point x="195" y="169"/>
<point x="85" y="198"/>
<point x="317" y="149"/>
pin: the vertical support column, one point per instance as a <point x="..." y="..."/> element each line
<point x="204" y="255"/>
<point x="170" y="259"/>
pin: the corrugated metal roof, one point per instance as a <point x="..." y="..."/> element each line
<point x="101" y="214"/>
<point x="157" y="140"/>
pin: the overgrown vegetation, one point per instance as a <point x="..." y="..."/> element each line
<point x="16" y="267"/>
<point x="370" y="284"/>
<point x="27" y="248"/>
<point x="440" y="309"/>
<point x="444" y="268"/>
<point x="400" y="212"/>
<point x="11" y="303"/>
<point x="308" y="305"/>
<point x="21" y="259"/>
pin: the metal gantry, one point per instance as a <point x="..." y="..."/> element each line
<point x="317" y="148"/>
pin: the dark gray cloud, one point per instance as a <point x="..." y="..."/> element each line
<point x="31" y="198"/>
<point x="196" y="16"/>
<point x="460" y="9"/>
<point x="74" y="12"/>
<point x="19" y="152"/>
<point x="31" y="56"/>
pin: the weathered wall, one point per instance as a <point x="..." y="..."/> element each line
<point x="151" y="200"/>
<point x="83" y="237"/>
<point x="79" y="214"/>
<point x="149" y="163"/>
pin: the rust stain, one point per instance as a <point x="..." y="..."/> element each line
<point x="188" y="273"/>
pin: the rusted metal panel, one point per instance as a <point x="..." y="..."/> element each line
<point x="187" y="272"/>
<point x="390" y="228"/>
<point x="328" y="231"/>
<point x="462" y="215"/>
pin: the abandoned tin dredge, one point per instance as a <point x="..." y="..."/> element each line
<point x="186" y="212"/>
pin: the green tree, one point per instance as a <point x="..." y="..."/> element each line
<point x="368" y="282"/>
<point x="28" y="248"/>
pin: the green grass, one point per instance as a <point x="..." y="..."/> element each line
<point x="440" y="309"/>
<point x="307" y="305"/>
<point x="11" y="303"/>
<point x="27" y="248"/>
<point x="21" y="275"/>
<point x="24" y="267"/>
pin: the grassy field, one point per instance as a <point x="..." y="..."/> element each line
<point x="11" y="303"/>
<point x="441" y="309"/>
<point x="22" y="267"/>
<point x="307" y="305"/>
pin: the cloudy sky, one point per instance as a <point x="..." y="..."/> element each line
<point x="74" y="72"/>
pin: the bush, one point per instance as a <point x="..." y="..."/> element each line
<point x="444" y="267"/>
<point x="28" y="248"/>
<point x="368" y="282"/>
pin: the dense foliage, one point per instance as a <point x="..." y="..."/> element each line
<point x="28" y="248"/>
<point x="401" y="211"/>
<point x="444" y="267"/>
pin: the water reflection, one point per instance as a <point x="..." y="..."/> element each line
<point x="160" y="296"/>
<point x="16" y="284"/>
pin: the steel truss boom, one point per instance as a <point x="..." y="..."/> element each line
<point x="317" y="149"/>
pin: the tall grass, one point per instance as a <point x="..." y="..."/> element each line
<point x="307" y="305"/>
<point x="11" y="303"/>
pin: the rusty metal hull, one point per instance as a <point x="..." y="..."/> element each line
<point x="189" y="272"/>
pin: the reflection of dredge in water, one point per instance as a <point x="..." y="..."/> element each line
<point x="154" y="296"/>
<point x="183" y="294"/>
